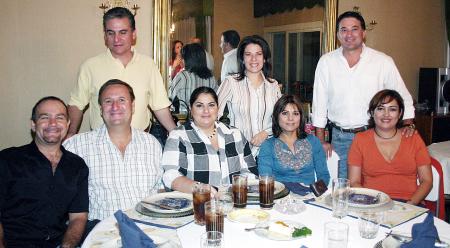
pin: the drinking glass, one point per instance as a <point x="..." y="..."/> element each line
<point x="240" y="191"/>
<point x="266" y="191"/>
<point x="225" y="196"/>
<point x="214" y="216"/>
<point x="336" y="235"/>
<point x="201" y="193"/>
<point x="340" y="193"/>
<point x="369" y="223"/>
<point x="212" y="239"/>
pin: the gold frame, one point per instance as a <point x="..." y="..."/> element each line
<point x="161" y="30"/>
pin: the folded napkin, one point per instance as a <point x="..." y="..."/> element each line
<point x="424" y="234"/>
<point x="132" y="236"/>
<point x="297" y="188"/>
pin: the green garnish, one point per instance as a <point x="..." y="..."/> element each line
<point x="304" y="231"/>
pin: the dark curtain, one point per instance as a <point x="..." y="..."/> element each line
<point x="270" y="7"/>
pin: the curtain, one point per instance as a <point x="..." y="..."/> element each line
<point x="184" y="30"/>
<point x="270" y="7"/>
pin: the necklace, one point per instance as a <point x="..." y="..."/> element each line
<point x="386" y="138"/>
<point x="213" y="134"/>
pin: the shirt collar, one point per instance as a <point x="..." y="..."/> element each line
<point x="133" y="49"/>
<point x="229" y="53"/>
<point x="363" y="52"/>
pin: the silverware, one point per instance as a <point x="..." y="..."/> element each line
<point x="404" y="239"/>
<point x="254" y="228"/>
<point x="159" y="205"/>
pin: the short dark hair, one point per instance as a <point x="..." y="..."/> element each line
<point x="195" y="60"/>
<point x="232" y="37"/>
<point x="115" y="82"/>
<point x="203" y="90"/>
<point x="382" y="97"/>
<point x="44" y="99"/>
<point x="279" y="107"/>
<point x="260" y="41"/>
<point x="352" y="14"/>
<point x="119" y="12"/>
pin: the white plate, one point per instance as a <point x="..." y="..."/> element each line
<point x="253" y="216"/>
<point x="277" y="236"/>
<point x="160" y="196"/>
<point x="255" y="183"/>
<point x="111" y="239"/>
<point x="384" y="198"/>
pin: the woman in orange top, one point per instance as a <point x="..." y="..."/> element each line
<point x="382" y="158"/>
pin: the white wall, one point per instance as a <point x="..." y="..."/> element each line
<point x="42" y="44"/>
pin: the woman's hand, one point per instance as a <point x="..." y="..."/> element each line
<point x="259" y="138"/>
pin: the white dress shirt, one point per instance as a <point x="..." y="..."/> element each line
<point x="116" y="181"/>
<point x="342" y="94"/>
<point x="229" y="64"/>
<point x="209" y="61"/>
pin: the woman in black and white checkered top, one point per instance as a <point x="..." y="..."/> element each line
<point x="205" y="150"/>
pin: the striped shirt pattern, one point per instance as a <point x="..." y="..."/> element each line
<point x="116" y="181"/>
<point x="241" y="105"/>
<point x="188" y="152"/>
<point x="185" y="82"/>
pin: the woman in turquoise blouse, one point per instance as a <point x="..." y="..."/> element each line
<point x="292" y="155"/>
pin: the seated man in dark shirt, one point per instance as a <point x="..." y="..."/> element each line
<point x="43" y="187"/>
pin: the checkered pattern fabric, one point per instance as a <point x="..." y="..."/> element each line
<point x="116" y="181"/>
<point x="188" y="152"/>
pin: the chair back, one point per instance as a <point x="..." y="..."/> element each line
<point x="332" y="164"/>
<point x="435" y="200"/>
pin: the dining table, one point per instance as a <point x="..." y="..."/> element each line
<point x="441" y="152"/>
<point x="313" y="216"/>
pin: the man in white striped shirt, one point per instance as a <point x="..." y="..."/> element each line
<point x="124" y="163"/>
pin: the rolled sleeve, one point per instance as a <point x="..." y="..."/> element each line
<point x="158" y="95"/>
<point x="320" y="96"/>
<point x="80" y="95"/>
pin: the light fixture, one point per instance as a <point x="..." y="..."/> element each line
<point x="371" y="25"/>
<point x="105" y="6"/>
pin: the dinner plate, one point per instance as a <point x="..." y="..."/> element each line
<point x="111" y="238"/>
<point x="253" y="188"/>
<point x="367" y="198"/>
<point x="277" y="236"/>
<point x="180" y="202"/>
<point x="253" y="216"/>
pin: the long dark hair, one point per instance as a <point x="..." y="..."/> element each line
<point x="174" y="54"/>
<point x="195" y="60"/>
<point x="279" y="107"/>
<point x="382" y="97"/>
<point x="258" y="40"/>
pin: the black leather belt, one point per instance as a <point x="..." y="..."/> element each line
<point x="349" y="130"/>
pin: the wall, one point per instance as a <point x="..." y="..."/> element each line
<point x="232" y="14"/>
<point x="43" y="43"/>
<point x="410" y="31"/>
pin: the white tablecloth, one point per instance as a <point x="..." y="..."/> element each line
<point x="313" y="217"/>
<point x="441" y="152"/>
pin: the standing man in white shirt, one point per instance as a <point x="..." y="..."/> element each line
<point x="345" y="81"/>
<point x="228" y="44"/>
<point x="124" y="162"/>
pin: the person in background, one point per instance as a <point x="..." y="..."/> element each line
<point x="122" y="61"/>
<point x="203" y="149"/>
<point x="176" y="61"/>
<point x="383" y="159"/>
<point x="194" y="75"/>
<point x="345" y="81"/>
<point x="229" y="42"/>
<point x="251" y="94"/>
<point x="124" y="162"/>
<point x="209" y="57"/>
<point x="43" y="187"/>
<point x="292" y="155"/>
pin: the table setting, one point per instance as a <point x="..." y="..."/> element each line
<point x="244" y="215"/>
